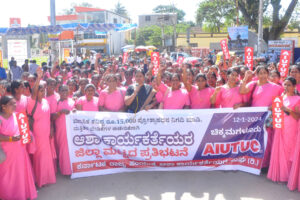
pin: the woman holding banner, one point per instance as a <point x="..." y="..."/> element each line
<point x="260" y="94"/>
<point x="43" y="164"/>
<point x="16" y="175"/>
<point x="88" y="102"/>
<point x="200" y="93"/>
<point x="64" y="106"/>
<point x="285" y="139"/>
<point x="228" y="96"/>
<point x="139" y="95"/>
<point x="174" y="97"/>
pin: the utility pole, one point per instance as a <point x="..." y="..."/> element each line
<point x="260" y="27"/>
<point x="54" y="51"/>
<point x="237" y="13"/>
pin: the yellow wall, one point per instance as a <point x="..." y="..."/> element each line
<point x="292" y="35"/>
<point x="204" y="39"/>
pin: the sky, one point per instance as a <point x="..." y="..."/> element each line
<point x="36" y="12"/>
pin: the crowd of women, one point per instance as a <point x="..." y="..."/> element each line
<point x="51" y="94"/>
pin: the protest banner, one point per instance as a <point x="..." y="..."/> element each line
<point x="158" y="140"/>
<point x="23" y="127"/>
<point x="277" y="112"/>
<point x="225" y="49"/>
<point x="284" y="63"/>
<point x="155" y="62"/>
<point x="249" y="57"/>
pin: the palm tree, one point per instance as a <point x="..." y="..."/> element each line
<point x="120" y="9"/>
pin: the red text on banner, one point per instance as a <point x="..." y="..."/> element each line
<point x="23" y="127"/>
<point x="284" y="62"/>
<point x="249" y="57"/>
<point x="277" y="112"/>
<point x="155" y="62"/>
<point x="225" y="49"/>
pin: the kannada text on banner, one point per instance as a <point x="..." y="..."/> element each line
<point x="211" y="139"/>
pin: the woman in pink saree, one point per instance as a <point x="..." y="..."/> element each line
<point x="16" y="175"/>
<point x="285" y="139"/>
<point x="43" y="164"/>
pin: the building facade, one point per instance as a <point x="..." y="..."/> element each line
<point x="110" y="42"/>
<point x="158" y="19"/>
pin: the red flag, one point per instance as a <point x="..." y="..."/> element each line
<point x="155" y="62"/>
<point x="277" y="112"/>
<point x="225" y="49"/>
<point x="249" y="57"/>
<point x="23" y="127"/>
<point x="180" y="60"/>
<point x="284" y="63"/>
<point x="125" y="57"/>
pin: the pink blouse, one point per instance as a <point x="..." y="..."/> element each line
<point x="112" y="101"/>
<point x="88" y="105"/>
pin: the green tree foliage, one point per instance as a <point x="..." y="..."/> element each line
<point x="152" y="35"/>
<point x="170" y="9"/>
<point x="120" y="9"/>
<point x="279" y="17"/>
<point x="214" y="15"/>
<point x="295" y="19"/>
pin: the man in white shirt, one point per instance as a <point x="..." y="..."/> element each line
<point x="70" y="59"/>
<point x="32" y="67"/>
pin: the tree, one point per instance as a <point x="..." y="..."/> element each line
<point x="120" y="9"/>
<point x="279" y="17"/>
<point x="295" y="19"/>
<point x="170" y="9"/>
<point x="151" y="35"/>
<point x="275" y="19"/>
<point x="215" y="14"/>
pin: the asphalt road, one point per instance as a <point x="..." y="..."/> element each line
<point x="189" y="185"/>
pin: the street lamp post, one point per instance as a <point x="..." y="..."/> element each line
<point x="260" y="28"/>
<point x="54" y="52"/>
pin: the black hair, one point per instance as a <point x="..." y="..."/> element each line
<point x="111" y="76"/>
<point x="140" y="71"/>
<point x="231" y="70"/>
<point x="292" y="80"/>
<point x="176" y="75"/>
<point x="27" y="85"/>
<point x="88" y="86"/>
<point x="277" y="72"/>
<point x="260" y="67"/>
<point x="295" y="66"/>
<point x="213" y="74"/>
<point x="119" y="77"/>
<point x="4" y="101"/>
<point x="200" y="75"/>
<point x="49" y="80"/>
<point x="62" y="86"/>
<point x="15" y="85"/>
<point x="191" y="71"/>
<point x="211" y="62"/>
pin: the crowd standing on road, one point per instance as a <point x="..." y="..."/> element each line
<point x="49" y="94"/>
